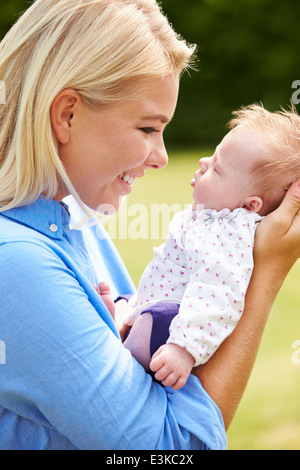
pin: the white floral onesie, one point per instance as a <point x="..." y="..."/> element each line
<point x="204" y="265"/>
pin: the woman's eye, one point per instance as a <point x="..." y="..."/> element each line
<point x="148" y="130"/>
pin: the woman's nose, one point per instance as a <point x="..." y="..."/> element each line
<point x="158" y="157"/>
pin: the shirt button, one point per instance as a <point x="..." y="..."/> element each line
<point x="53" y="228"/>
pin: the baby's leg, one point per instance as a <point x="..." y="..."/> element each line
<point x="150" y="331"/>
<point x="138" y="340"/>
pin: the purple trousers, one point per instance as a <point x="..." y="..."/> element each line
<point x="162" y="315"/>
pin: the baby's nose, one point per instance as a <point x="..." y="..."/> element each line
<point x="203" y="163"/>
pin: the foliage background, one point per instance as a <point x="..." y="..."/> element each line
<point x="248" y="51"/>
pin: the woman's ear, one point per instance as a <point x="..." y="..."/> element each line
<point x="253" y="204"/>
<point x="62" y="112"/>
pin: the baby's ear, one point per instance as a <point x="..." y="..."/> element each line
<point x="253" y="204"/>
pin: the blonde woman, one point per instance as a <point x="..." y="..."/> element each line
<point x="90" y="87"/>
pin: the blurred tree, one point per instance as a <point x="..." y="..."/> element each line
<point x="247" y="52"/>
<point x="10" y="10"/>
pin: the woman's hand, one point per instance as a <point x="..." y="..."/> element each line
<point x="277" y="241"/>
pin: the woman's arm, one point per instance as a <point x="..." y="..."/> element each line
<point x="69" y="377"/>
<point x="277" y="247"/>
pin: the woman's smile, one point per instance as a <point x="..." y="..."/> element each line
<point x="127" y="178"/>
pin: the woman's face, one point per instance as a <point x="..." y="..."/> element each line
<point x="107" y="149"/>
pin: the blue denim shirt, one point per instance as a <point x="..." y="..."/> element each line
<point x="66" y="381"/>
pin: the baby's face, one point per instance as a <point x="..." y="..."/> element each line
<point x="224" y="180"/>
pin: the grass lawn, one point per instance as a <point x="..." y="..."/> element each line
<point x="269" y="415"/>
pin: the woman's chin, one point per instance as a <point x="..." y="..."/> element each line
<point x="110" y="207"/>
<point x="108" y="202"/>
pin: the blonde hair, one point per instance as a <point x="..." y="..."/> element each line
<point x="96" y="47"/>
<point x="279" y="163"/>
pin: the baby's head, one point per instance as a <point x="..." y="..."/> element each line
<point x="255" y="163"/>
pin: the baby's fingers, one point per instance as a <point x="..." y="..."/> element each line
<point x="162" y="370"/>
<point x="180" y="382"/>
<point x="173" y="380"/>
<point x="170" y="380"/>
<point x="157" y="361"/>
<point x="161" y="373"/>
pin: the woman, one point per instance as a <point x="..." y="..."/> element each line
<point x="91" y="85"/>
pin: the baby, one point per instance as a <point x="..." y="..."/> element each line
<point x="191" y="295"/>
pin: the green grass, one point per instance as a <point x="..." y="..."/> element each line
<point x="269" y="414"/>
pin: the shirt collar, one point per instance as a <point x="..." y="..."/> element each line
<point x="44" y="215"/>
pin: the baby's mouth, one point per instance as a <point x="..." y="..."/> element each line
<point x="193" y="182"/>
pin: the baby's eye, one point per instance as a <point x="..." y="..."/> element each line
<point x="148" y="130"/>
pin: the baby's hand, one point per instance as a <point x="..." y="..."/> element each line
<point x="172" y="365"/>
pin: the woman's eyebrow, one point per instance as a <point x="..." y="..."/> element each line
<point x="160" y="117"/>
